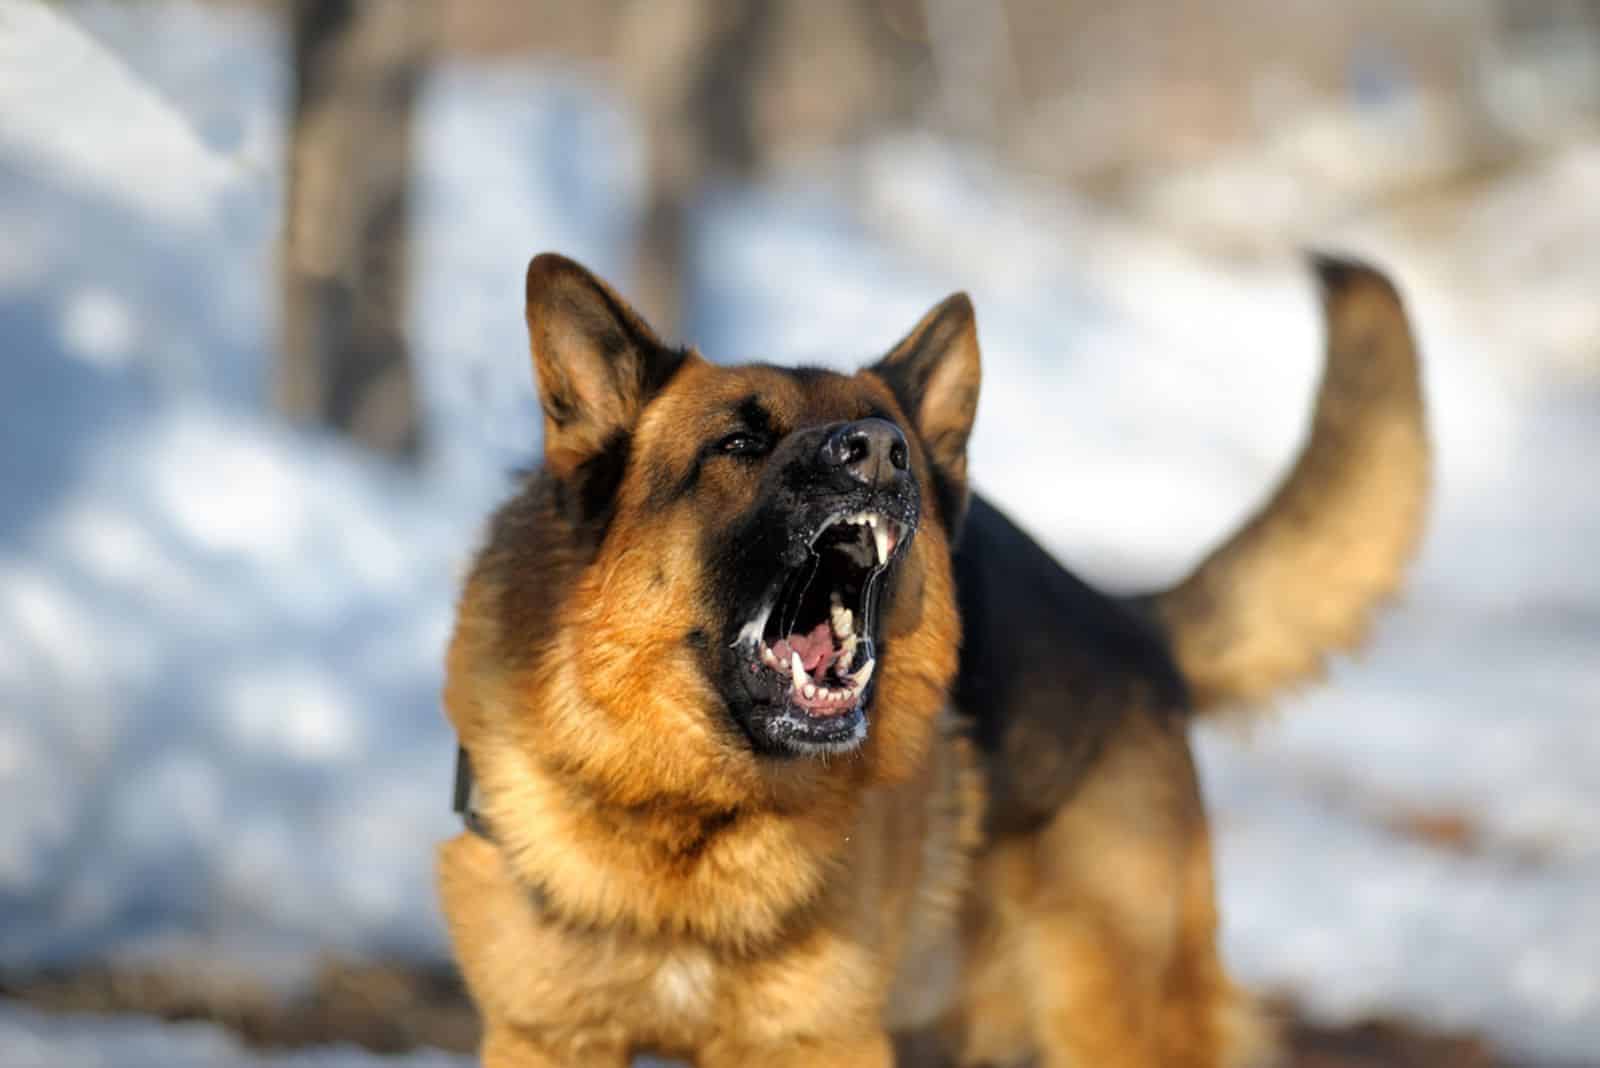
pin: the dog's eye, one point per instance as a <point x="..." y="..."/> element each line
<point x="742" y="443"/>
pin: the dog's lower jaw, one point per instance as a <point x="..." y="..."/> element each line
<point x="794" y="733"/>
<point x="846" y="743"/>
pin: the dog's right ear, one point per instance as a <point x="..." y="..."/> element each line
<point x="595" y="361"/>
<point x="935" y="374"/>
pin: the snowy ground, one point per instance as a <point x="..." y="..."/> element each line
<point x="30" y="1039"/>
<point x="220" y="638"/>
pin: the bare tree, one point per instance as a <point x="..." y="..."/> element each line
<point x="691" y="68"/>
<point x="344" y="359"/>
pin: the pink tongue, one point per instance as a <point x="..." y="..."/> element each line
<point x="815" y="648"/>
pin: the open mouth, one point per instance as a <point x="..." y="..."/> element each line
<point x="813" y="641"/>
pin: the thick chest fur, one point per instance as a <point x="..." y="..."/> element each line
<point x="875" y="948"/>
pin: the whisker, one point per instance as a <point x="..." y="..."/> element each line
<point x="799" y="602"/>
<point x="869" y="604"/>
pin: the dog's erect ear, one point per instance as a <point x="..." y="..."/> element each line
<point x="934" y="372"/>
<point x="595" y="361"/>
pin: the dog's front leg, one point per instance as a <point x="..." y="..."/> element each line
<point x="506" y="1047"/>
<point x="868" y="1051"/>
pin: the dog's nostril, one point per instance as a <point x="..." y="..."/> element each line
<point x="869" y="449"/>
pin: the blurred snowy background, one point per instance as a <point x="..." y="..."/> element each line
<point x="261" y="379"/>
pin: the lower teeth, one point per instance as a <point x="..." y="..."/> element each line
<point x="851" y="684"/>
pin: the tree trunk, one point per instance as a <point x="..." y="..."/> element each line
<point x="344" y="361"/>
<point x="693" y="69"/>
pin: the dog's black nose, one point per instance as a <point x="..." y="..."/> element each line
<point x="871" y="450"/>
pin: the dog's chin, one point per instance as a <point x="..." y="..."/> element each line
<point x="795" y="732"/>
<point x="804" y="653"/>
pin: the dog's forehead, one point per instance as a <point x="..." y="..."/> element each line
<point x="789" y="398"/>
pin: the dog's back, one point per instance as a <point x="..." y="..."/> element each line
<point x="1050" y="664"/>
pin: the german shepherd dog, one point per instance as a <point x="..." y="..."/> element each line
<point x="789" y="750"/>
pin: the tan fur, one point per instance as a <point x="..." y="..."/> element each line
<point x="1093" y="941"/>
<point x="1300" y="579"/>
<point x="653" y="885"/>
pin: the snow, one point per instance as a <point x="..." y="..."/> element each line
<point x="30" y="1039"/>
<point x="229" y="630"/>
<point x="221" y="637"/>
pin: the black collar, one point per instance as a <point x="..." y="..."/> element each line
<point x="467" y="795"/>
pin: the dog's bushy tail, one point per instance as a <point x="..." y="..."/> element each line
<point x="1302" y="577"/>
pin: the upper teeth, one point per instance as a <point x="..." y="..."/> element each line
<point x="881" y="527"/>
<point x="880" y="538"/>
<point x="842" y="618"/>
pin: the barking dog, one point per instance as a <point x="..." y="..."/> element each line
<point x="788" y="747"/>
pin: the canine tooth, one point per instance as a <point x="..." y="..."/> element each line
<point x="847" y="649"/>
<point x="880" y="538"/>
<point x="797" y="672"/>
<point x="859" y="680"/>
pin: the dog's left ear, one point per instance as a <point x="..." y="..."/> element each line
<point x="935" y="372"/>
